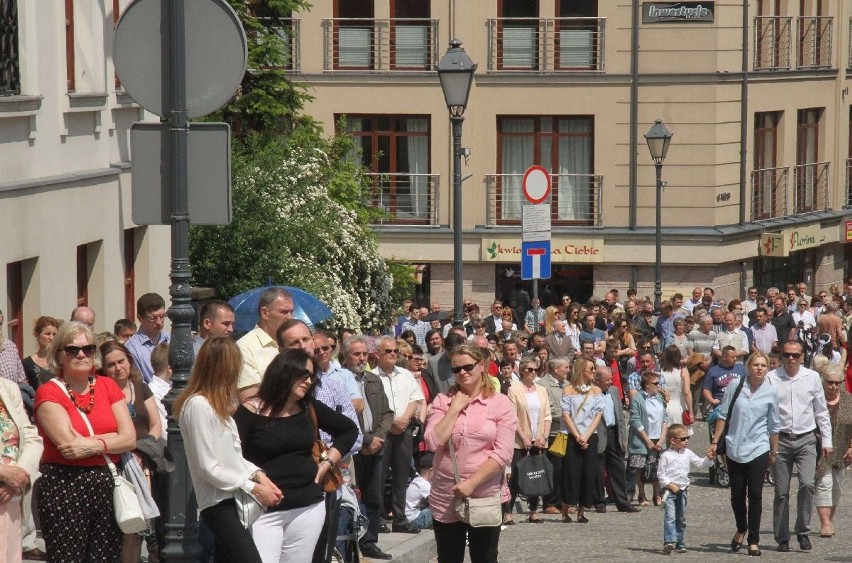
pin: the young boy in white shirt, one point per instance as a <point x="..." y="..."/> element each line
<point x="161" y="383"/>
<point x="417" y="511"/>
<point x="673" y="473"/>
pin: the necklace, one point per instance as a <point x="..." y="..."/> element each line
<point x="130" y="406"/>
<point x="584" y="388"/>
<point x="87" y="409"/>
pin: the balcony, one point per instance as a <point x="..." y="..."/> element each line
<point x="814" y="42"/>
<point x="287" y="31"/>
<point x="575" y="199"/>
<point x="811" y="187"/>
<point x="408" y="199"/>
<point x="772" y="43"/>
<point x="546" y="45"/>
<point x="376" y="45"/>
<point x="769" y="193"/>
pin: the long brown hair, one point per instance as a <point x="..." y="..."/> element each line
<point x="112" y="346"/>
<point x="214" y="376"/>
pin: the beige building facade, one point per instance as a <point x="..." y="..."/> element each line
<point x="760" y="148"/>
<point x="65" y="214"/>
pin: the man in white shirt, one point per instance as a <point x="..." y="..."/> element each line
<point x="803" y="411"/>
<point x="765" y="335"/>
<point x="732" y="335"/>
<point x="404" y="396"/>
<point x="750" y="303"/>
<point x="691" y="304"/>
<point x="258" y="347"/>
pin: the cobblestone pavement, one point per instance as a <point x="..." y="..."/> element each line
<point x="622" y="537"/>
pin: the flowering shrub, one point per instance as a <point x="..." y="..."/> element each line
<point x="289" y="229"/>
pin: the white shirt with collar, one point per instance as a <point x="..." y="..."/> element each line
<point x="401" y="388"/>
<point x="801" y="402"/>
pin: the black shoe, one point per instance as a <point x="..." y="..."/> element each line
<point x="383" y="529"/>
<point x="373" y="552"/>
<point x="805" y="543"/>
<point x="600" y="508"/>
<point x="630" y="509"/>
<point x="784" y="546"/>
<point x="406" y="529"/>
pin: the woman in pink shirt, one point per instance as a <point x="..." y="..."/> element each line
<point x="481" y="424"/>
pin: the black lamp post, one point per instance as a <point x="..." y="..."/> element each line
<point x="658" y="139"/>
<point x="456" y="70"/>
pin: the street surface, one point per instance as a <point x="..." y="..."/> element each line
<point x="626" y="538"/>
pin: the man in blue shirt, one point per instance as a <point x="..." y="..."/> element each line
<point x="720" y="376"/>
<point x="593" y="335"/>
<point x="151" y="312"/>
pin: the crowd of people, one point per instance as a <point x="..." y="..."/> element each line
<point x="429" y="422"/>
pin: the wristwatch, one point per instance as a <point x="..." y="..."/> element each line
<point x="324" y="457"/>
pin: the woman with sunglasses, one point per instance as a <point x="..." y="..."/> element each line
<point x="532" y="407"/>
<point x="74" y="495"/>
<point x="481" y="424"/>
<point x="751" y="446"/>
<point x="830" y="470"/>
<point x="647" y="427"/>
<point x="118" y="365"/>
<point x="278" y="432"/>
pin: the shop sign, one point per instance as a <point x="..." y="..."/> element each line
<point x="562" y="250"/>
<point x="678" y="12"/>
<point x="848" y="232"/>
<point x="801" y="238"/>
<point x="771" y="244"/>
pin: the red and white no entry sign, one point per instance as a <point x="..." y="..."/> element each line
<point x="536" y="184"/>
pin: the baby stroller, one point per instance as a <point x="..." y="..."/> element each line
<point x="719" y="470"/>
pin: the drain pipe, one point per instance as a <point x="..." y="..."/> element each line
<point x="634" y="114"/>
<point x="744" y="118"/>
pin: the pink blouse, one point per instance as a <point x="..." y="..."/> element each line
<point x="484" y="429"/>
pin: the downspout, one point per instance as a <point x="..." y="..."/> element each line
<point x="634" y="114"/>
<point x="744" y="119"/>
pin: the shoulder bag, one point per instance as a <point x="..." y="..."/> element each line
<point x="475" y="512"/>
<point x="721" y="447"/>
<point x="535" y="475"/>
<point x="128" y="511"/>
<point x="333" y="478"/>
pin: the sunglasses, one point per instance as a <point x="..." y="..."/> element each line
<point x="391" y="350"/>
<point x="528" y="369"/>
<point x="74" y="351"/>
<point x="833" y="382"/>
<point x="792" y="354"/>
<point x="325" y="348"/>
<point x="680" y="438"/>
<point x="467" y="368"/>
<point x="307" y="374"/>
<point x="653" y="382"/>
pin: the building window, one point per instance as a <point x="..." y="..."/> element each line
<point x="15" y="303"/>
<point x="10" y="64"/>
<point x="130" y="251"/>
<point x="83" y="274"/>
<point x="69" y="45"/>
<point x="352" y="34"/>
<point x="811" y="174"/>
<point x="563" y="145"/>
<point x="769" y="183"/>
<point x="395" y="149"/>
<point x="412" y="36"/>
<point x="578" y="36"/>
<point x="518" y="35"/>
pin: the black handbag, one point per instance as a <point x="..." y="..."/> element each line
<point x="721" y="447"/>
<point x="649" y="471"/>
<point x="535" y="475"/>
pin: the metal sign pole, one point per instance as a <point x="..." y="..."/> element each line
<point x="181" y="512"/>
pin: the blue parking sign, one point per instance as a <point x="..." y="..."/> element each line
<point x="535" y="260"/>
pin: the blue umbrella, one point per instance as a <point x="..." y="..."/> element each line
<point x="306" y="307"/>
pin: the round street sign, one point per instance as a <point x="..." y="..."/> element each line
<point x="216" y="54"/>
<point x="536" y="184"/>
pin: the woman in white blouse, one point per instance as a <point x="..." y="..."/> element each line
<point x="214" y="453"/>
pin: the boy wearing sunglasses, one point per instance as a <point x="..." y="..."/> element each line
<point x="673" y="473"/>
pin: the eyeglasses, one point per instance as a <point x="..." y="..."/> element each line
<point x="415" y="358"/>
<point x="833" y="382"/>
<point x="680" y="438"/>
<point x="528" y="369"/>
<point x="155" y="318"/>
<point x="391" y="350"/>
<point x="74" y="351"/>
<point x="792" y="355"/>
<point x="654" y="382"/>
<point x="467" y="368"/>
<point x="325" y="348"/>
<point x="405" y="356"/>
<point x="307" y="374"/>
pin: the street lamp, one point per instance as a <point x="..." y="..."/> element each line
<point x="456" y="70"/>
<point x="658" y="139"/>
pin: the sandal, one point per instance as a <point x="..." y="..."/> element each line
<point x="644" y="503"/>
<point x="536" y="520"/>
<point x="826" y="532"/>
<point x="508" y="521"/>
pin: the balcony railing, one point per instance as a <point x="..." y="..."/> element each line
<point x="811" y="187"/>
<point x="814" y="42"/>
<point x="849" y="58"/>
<point x="546" y="44"/>
<point x="769" y="193"/>
<point x="772" y="42"/>
<point x="848" y="200"/>
<point x="408" y="199"/>
<point x="575" y="199"/>
<point x="376" y="45"/>
<point x="288" y="31"/>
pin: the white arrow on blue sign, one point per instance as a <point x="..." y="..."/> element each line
<point x="535" y="260"/>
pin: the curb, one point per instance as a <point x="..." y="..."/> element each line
<point x="414" y="549"/>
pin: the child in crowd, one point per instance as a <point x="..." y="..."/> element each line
<point x="161" y="383"/>
<point x="417" y="510"/>
<point x="673" y="473"/>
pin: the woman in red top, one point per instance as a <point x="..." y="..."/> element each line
<point x="75" y="491"/>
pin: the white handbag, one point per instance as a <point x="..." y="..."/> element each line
<point x="249" y="508"/>
<point x="475" y="512"/>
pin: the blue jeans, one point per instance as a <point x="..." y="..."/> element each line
<point x="422" y="520"/>
<point x="674" y="517"/>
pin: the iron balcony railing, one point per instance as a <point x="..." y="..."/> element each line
<point x="575" y="199"/>
<point x="769" y="193"/>
<point x="772" y="42"/>
<point x="408" y="199"/>
<point x="848" y="201"/>
<point x="546" y="44"/>
<point x="814" y="42"/>
<point x="380" y="45"/>
<point x="812" y="187"/>
<point x="287" y="29"/>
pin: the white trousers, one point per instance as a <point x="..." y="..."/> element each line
<point x="289" y="535"/>
<point x="10" y="531"/>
